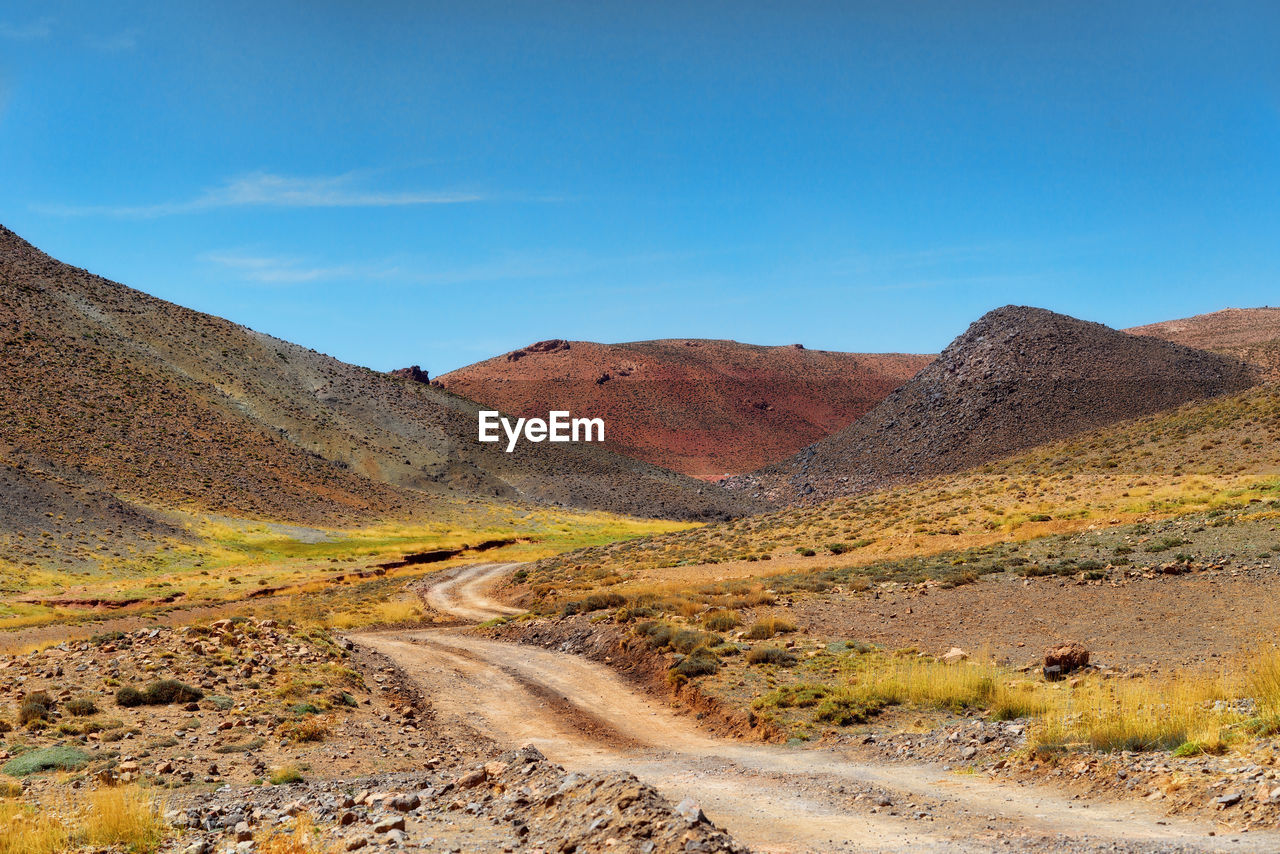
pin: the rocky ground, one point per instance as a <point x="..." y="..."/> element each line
<point x="1239" y="791"/>
<point x="278" y="726"/>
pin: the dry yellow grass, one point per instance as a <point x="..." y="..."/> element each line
<point x="1154" y="713"/>
<point x="23" y="830"/>
<point x="392" y="612"/>
<point x="1264" y="680"/>
<point x="127" y="817"/>
<point x="302" y="838"/>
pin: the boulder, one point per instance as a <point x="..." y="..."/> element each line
<point x="1064" y="658"/>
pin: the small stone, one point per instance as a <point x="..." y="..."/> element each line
<point x="356" y="843"/>
<point x="690" y="811"/>
<point x="389" y="824"/>
<point x="1229" y="800"/>
<point x="473" y="779"/>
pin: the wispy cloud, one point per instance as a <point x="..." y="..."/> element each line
<point x="265" y="189"/>
<point x="120" y="42"/>
<point x="284" y="270"/>
<point x="41" y="28"/>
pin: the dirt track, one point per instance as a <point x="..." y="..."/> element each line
<point x="584" y="716"/>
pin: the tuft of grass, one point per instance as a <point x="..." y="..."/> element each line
<point x="721" y="621"/>
<point x="81" y="707"/>
<point x="770" y="655"/>
<point x="1139" y="714"/>
<point x="302" y="838"/>
<point x="61" y="757"/>
<point x="1264" y="680"/>
<point x="701" y="662"/>
<point x="127" y="817"/>
<point x="285" y="775"/>
<point x="769" y="627"/>
<point x="24" y="831"/>
<point x="307" y="730"/>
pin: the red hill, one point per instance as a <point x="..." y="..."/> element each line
<point x="705" y="408"/>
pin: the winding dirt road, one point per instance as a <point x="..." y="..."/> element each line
<point x="777" y="799"/>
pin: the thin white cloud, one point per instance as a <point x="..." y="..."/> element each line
<point x="281" y="270"/>
<point x="265" y="189"/>
<point x="120" y="42"/>
<point x="41" y="28"/>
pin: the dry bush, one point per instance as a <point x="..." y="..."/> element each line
<point x="768" y="627"/>
<point x="721" y="621"/>
<point x="306" y="730"/>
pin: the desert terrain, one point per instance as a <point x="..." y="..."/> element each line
<point x="1020" y="597"/>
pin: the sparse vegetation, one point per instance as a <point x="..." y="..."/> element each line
<point x="769" y="627"/>
<point x="284" y="776"/>
<point x="159" y="693"/>
<point x="62" y="757"/>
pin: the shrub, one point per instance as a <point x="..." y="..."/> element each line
<point x="845" y="709"/>
<point x="166" y="691"/>
<point x="221" y="703"/>
<point x="81" y="707"/>
<point x="284" y="776"/>
<point x="306" y="730"/>
<point x="768" y="627"/>
<point x="594" y="602"/>
<point x="10" y="789"/>
<point x="721" y="621"/>
<point x="701" y="662"/>
<point x="60" y="757"/>
<point x="837" y="548"/>
<point x="770" y="655"/>
<point x="31" y="711"/>
<point x="129" y="696"/>
<point x="159" y="693"/>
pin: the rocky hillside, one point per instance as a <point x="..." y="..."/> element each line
<point x="109" y="397"/>
<point x="1249" y="334"/>
<point x="705" y="408"/>
<point x="1019" y="377"/>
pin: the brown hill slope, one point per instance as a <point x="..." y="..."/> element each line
<point x="131" y="396"/>
<point x="1019" y="377"/>
<point x="706" y="408"/>
<point x="1249" y="334"/>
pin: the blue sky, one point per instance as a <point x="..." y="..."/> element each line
<point x="437" y="183"/>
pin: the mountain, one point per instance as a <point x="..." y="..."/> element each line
<point x="1249" y="334"/>
<point x="705" y="408"/>
<point x="1018" y="377"/>
<point x="129" y="404"/>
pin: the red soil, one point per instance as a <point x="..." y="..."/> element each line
<point x="705" y="408"/>
<point x="1249" y="334"/>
